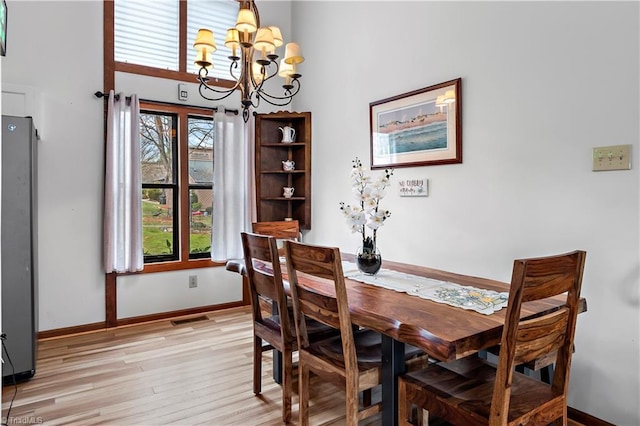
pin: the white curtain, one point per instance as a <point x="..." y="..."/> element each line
<point x="233" y="192"/>
<point x="123" y="189"/>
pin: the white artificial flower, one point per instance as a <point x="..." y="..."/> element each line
<point x="370" y="203"/>
<point x="358" y="217"/>
<point x="377" y="219"/>
<point x="378" y="192"/>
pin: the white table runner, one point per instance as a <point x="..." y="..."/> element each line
<point x="465" y="297"/>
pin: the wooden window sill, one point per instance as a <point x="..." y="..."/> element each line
<point x="177" y="265"/>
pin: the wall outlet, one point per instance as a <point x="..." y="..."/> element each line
<point x="193" y="281"/>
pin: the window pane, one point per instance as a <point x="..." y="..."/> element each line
<point x="200" y="223"/>
<point x="200" y="143"/>
<point x="146" y="32"/>
<point x="157" y="221"/>
<point x="200" y="150"/>
<point x="218" y="16"/>
<point x="157" y="132"/>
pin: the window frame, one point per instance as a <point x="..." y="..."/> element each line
<point x="184" y="261"/>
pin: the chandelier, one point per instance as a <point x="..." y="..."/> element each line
<point x="249" y="74"/>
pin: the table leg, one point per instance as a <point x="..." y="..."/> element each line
<point x="546" y="374"/>
<point x="277" y="355"/>
<point x="277" y="366"/>
<point x="393" y="365"/>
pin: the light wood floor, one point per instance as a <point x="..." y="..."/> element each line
<point x="195" y="373"/>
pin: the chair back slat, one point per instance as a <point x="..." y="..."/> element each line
<point x="263" y="285"/>
<point x="548" y="276"/>
<point x="319" y="307"/>
<point x="541" y="336"/>
<point x="281" y="230"/>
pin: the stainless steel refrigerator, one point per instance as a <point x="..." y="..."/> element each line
<point x="19" y="248"/>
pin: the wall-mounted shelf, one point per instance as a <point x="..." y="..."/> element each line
<point x="270" y="175"/>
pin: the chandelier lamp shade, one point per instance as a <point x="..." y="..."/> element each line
<point x="253" y="61"/>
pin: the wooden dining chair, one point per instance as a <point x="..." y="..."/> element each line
<point x="353" y="359"/>
<point x="264" y="277"/>
<point x="471" y="391"/>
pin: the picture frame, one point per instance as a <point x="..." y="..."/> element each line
<point x="418" y="128"/>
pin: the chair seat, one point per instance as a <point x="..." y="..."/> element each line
<point x="468" y="384"/>
<point x="368" y="345"/>
<point x="315" y="329"/>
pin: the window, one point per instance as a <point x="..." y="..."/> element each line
<point x="155" y="38"/>
<point x="166" y="45"/>
<point x="177" y="182"/>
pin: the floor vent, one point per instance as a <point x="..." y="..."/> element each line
<point x="188" y="320"/>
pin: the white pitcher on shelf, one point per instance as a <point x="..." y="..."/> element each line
<point x="287" y="191"/>
<point x="288" y="165"/>
<point x="288" y="134"/>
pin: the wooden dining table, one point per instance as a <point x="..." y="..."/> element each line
<point x="444" y="332"/>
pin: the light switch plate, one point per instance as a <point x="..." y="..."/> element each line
<point x="183" y="92"/>
<point x="614" y="157"/>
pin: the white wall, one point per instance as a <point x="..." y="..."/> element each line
<point x="61" y="59"/>
<point x="543" y="83"/>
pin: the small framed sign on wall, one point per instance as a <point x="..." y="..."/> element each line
<point x="417" y="187"/>
<point x="418" y="128"/>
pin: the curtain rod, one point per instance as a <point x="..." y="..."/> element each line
<point x="99" y="94"/>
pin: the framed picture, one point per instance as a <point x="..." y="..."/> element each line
<point x="419" y="128"/>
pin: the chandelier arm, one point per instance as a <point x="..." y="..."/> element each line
<point x="272" y="99"/>
<point x="276" y="103"/>
<point x="268" y="76"/>
<point x="225" y="94"/>
<point x="234" y="64"/>
<point x="203" y="83"/>
<point x="213" y="89"/>
<point x="254" y="98"/>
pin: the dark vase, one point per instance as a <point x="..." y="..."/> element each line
<point x="368" y="262"/>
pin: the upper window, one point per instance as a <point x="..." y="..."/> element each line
<point x="155" y="34"/>
<point x="138" y="42"/>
